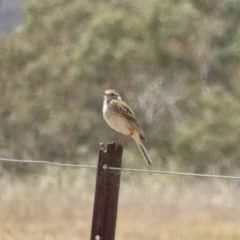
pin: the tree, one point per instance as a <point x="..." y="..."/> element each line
<point x="208" y="140"/>
<point x="163" y="55"/>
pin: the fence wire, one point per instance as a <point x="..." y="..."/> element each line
<point x="121" y="169"/>
<point x="47" y="162"/>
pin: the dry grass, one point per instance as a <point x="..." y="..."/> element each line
<point x="59" y="206"/>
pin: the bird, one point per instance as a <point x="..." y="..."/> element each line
<point x="120" y="117"/>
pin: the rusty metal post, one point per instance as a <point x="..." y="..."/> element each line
<point x="106" y="193"/>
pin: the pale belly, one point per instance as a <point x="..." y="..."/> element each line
<point x="117" y="123"/>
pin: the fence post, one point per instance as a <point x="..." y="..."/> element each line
<point x="106" y="193"/>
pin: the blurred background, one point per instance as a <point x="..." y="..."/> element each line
<point x="177" y="65"/>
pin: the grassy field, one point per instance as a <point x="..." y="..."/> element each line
<point x="59" y="206"/>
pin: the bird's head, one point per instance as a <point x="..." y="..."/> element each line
<point x="111" y="95"/>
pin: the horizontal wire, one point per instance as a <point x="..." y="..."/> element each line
<point x="173" y="173"/>
<point x="47" y="162"/>
<point x="121" y="169"/>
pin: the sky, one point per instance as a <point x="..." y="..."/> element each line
<point x="10" y="15"/>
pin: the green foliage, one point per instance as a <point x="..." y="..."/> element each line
<point x="177" y="62"/>
<point x="120" y="40"/>
<point x="209" y="139"/>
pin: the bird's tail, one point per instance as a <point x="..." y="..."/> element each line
<point x="143" y="151"/>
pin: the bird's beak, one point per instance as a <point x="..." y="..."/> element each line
<point x="104" y="93"/>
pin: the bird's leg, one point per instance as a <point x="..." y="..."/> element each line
<point x="122" y="139"/>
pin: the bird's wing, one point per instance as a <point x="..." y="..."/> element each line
<point x="124" y="111"/>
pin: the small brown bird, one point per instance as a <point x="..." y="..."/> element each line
<point x="120" y="117"/>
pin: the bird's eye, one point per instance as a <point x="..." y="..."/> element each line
<point x="112" y="94"/>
